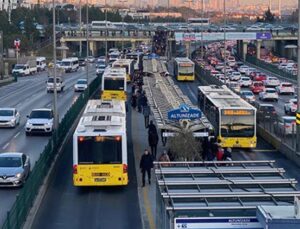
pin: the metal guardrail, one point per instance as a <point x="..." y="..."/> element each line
<point x="270" y="67"/>
<point x="16" y="216"/>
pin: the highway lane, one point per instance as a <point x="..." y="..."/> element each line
<point x="66" y="206"/>
<point x="29" y="98"/>
<point x="263" y="151"/>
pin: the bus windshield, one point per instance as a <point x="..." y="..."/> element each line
<point x="100" y="150"/>
<point x="186" y="70"/>
<point x="114" y="84"/>
<point x="237" y="126"/>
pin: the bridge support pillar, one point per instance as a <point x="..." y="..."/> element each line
<point x="245" y="46"/>
<point x="188" y="49"/>
<point x="133" y="45"/>
<point x="258" y="47"/>
<point x="63" y="51"/>
<point x="93" y="48"/>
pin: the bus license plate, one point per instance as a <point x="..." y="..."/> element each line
<point x="100" y="179"/>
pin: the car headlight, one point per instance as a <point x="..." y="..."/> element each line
<point x="12" y="120"/>
<point x="18" y="175"/>
<point x="49" y="123"/>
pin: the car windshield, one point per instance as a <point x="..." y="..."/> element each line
<point x="41" y="114"/>
<point x="267" y="108"/>
<point x="51" y="80"/>
<point x="18" y="67"/>
<point x="271" y="91"/>
<point x="247" y="93"/>
<point x="8" y="162"/>
<point x="286" y="85"/>
<point x="6" y="113"/>
<point x="81" y="82"/>
<point x="65" y="63"/>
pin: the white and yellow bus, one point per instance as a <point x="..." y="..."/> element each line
<point x="114" y="84"/>
<point x="100" y="145"/>
<point x="234" y="119"/>
<point x="184" y="69"/>
<point x="128" y="64"/>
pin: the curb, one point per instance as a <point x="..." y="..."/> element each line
<point x="6" y="81"/>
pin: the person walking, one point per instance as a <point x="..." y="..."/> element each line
<point x="139" y="102"/>
<point x="151" y="127"/>
<point x="146" y="164"/>
<point x="146" y="113"/>
<point x="133" y="101"/>
<point x="153" y="141"/>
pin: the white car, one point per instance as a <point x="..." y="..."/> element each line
<point x="271" y="82"/>
<point x="80" y="85"/>
<point x="285" y="88"/>
<point x="234" y="86"/>
<point x="249" y="70"/>
<point x="242" y="69"/>
<point x="100" y="69"/>
<point x="235" y="76"/>
<point x="268" y="94"/>
<point x="282" y="65"/>
<point x="248" y="96"/>
<point x="60" y="85"/>
<point x="245" y="81"/>
<point x="39" y="121"/>
<point x="9" y="117"/>
<point x="290" y="107"/>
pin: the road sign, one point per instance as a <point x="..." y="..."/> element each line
<point x="263" y="36"/>
<point x="217" y="223"/>
<point x="17" y="43"/>
<point x="184" y="112"/>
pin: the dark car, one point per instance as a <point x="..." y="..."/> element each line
<point x="81" y="62"/>
<point x="265" y="112"/>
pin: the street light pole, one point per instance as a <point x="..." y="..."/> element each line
<point x="202" y="16"/>
<point x="298" y="88"/>
<point x="55" y="122"/>
<point x="87" y="45"/>
<point x="123" y="32"/>
<point x="224" y="29"/>
<point x="106" y="31"/>
<point x="80" y="29"/>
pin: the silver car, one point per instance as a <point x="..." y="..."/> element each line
<point x="14" y="169"/>
<point x="9" y="117"/>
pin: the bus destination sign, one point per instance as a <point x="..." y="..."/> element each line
<point x="237" y="112"/>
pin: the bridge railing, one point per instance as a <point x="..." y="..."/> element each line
<point x="270" y="67"/>
<point x="16" y="216"/>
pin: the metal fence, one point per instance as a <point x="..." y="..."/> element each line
<point x="17" y="215"/>
<point x="270" y="67"/>
<point x="283" y="132"/>
<point x="205" y="77"/>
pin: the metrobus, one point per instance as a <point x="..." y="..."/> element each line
<point x="137" y="58"/>
<point x="114" y="84"/>
<point x="199" y="21"/>
<point x="128" y="64"/>
<point x="100" y="145"/>
<point x="184" y="69"/>
<point x="98" y="25"/>
<point x="234" y="119"/>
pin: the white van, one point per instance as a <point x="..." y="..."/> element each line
<point x="70" y="64"/>
<point x="41" y="63"/>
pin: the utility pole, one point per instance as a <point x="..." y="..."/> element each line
<point x="123" y="16"/>
<point x="106" y="33"/>
<point x="1" y="56"/>
<point x="298" y="88"/>
<point x="55" y="111"/>
<point x="202" y="28"/>
<point x="80" y="29"/>
<point x="87" y="45"/>
<point x="224" y="15"/>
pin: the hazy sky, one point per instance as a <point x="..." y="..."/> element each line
<point x="275" y="2"/>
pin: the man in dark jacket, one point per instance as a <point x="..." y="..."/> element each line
<point x="146" y="113"/>
<point x="146" y="164"/>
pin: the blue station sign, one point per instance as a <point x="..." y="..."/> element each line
<point x="184" y="112"/>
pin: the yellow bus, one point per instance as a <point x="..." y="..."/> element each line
<point x="128" y="64"/>
<point x="233" y="118"/>
<point x="184" y="69"/>
<point x="114" y="84"/>
<point x="100" y="145"/>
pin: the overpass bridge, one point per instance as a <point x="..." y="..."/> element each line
<point x="277" y="39"/>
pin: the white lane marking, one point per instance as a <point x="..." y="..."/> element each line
<point x="17" y="134"/>
<point x="192" y="92"/>
<point x="5" y="146"/>
<point x="49" y="105"/>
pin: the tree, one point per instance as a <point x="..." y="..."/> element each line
<point x="185" y="146"/>
<point x="269" y="16"/>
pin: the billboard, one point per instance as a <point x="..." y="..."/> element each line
<point x="217" y="223"/>
<point x="179" y="36"/>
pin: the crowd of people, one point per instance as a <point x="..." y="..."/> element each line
<point x="213" y="151"/>
<point x="159" y="43"/>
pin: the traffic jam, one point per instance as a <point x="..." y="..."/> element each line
<point x="273" y="98"/>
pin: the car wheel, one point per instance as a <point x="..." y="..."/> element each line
<point x="276" y="100"/>
<point x="27" y="133"/>
<point x="285" y="111"/>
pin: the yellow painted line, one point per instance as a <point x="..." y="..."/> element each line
<point x="147" y="205"/>
<point x="148" y="208"/>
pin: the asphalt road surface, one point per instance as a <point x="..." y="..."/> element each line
<point x="27" y="94"/>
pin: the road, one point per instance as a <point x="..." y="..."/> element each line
<point x="29" y="93"/>
<point x="263" y="151"/>
<point x="65" y="206"/>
